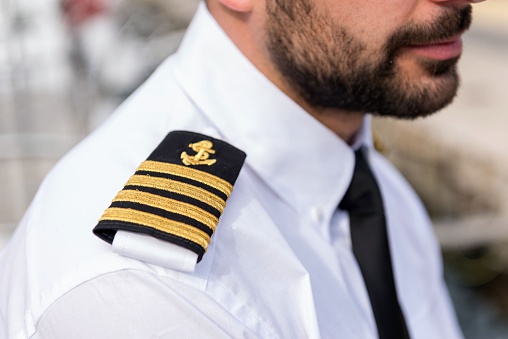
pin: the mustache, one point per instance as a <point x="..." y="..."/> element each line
<point x="449" y="24"/>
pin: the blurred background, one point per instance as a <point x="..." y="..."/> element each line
<point x="65" y="65"/>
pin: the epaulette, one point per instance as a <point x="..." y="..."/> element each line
<point x="178" y="194"/>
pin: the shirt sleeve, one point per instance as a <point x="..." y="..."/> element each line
<point x="137" y="304"/>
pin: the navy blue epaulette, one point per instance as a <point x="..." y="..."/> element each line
<point x="178" y="193"/>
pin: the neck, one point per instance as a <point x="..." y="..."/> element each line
<point x="344" y="124"/>
<point x="238" y="26"/>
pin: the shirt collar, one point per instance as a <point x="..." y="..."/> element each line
<point x="298" y="157"/>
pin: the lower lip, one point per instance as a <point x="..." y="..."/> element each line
<point x="443" y="51"/>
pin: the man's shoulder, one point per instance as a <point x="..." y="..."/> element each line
<point x="54" y="249"/>
<point x="64" y="258"/>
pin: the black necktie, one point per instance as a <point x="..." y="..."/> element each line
<point x="371" y="249"/>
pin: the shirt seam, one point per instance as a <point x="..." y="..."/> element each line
<point x="36" y="323"/>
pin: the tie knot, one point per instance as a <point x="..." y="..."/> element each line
<point x="363" y="194"/>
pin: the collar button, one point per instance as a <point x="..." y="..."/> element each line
<point x="316" y="214"/>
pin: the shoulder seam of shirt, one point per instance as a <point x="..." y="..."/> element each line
<point x="36" y="323"/>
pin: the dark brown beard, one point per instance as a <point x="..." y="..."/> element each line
<point x="330" y="68"/>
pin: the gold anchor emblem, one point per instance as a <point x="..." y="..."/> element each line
<point x="203" y="150"/>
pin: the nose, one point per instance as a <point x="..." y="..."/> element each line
<point x="460" y="2"/>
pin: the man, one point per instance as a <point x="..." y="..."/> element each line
<point x="294" y="254"/>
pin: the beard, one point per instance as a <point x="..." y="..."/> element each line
<point x="331" y="68"/>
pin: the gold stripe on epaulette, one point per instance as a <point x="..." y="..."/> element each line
<point x="189" y="173"/>
<point x="159" y="223"/>
<point x="169" y="205"/>
<point x="178" y="187"/>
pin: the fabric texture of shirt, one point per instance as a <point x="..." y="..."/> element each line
<point x="280" y="264"/>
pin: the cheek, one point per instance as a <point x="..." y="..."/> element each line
<point x="373" y="21"/>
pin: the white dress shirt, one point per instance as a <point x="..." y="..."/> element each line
<point x="280" y="264"/>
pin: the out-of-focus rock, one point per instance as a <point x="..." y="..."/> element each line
<point x="454" y="178"/>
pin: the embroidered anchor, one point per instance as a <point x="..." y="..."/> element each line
<point x="203" y="150"/>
